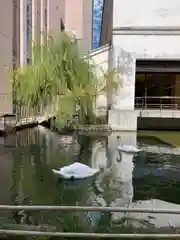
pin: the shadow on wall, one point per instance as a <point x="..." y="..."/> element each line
<point x="125" y="63"/>
<point x="158" y="124"/>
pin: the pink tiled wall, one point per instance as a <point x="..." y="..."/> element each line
<point x="6" y="51"/>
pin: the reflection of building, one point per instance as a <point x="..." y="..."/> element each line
<point x="116" y="167"/>
<point x="25" y="21"/>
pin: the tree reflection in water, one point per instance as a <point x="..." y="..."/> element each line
<point x="34" y="182"/>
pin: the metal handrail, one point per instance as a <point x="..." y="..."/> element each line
<point x="87" y="208"/>
<point x="157" y="106"/>
<point x="158" y="97"/>
<point x="87" y="235"/>
<point x="144" y="103"/>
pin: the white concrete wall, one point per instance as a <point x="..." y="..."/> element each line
<point x="158" y="113"/>
<point x="124" y="61"/>
<point x="149" y="46"/>
<point x="122" y="120"/>
<point x="99" y="59"/>
<point x="146" y="13"/>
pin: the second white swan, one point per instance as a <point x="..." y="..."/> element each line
<point x="128" y="149"/>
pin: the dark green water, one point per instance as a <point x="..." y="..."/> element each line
<point x="28" y="157"/>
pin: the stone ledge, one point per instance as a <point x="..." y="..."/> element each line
<point x="95" y="128"/>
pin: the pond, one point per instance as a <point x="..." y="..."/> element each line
<point x="148" y="179"/>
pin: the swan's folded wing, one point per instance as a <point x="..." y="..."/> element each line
<point x="62" y="174"/>
<point x="81" y="175"/>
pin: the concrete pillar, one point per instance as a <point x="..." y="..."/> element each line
<point x="87" y="25"/>
<point x="43" y="6"/>
<point x="35" y="23"/>
<point x="54" y="16"/>
<point x="122" y="115"/>
<point x="23" y="35"/>
<point x="74" y="17"/>
<point x="122" y="120"/>
<point x="78" y="19"/>
<point x="38" y="22"/>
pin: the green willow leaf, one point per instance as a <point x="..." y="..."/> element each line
<point x="61" y="78"/>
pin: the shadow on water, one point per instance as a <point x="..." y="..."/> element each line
<point x="28" y="157"/>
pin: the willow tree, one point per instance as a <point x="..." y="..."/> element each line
<point x="58" y="78"/>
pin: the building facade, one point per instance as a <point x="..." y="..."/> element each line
<point x="145" y="32"/>
<point x="25" y="21"/>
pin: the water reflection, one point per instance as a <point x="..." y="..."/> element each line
<point x="28" y="157"/>
<point x="115" y="178"/>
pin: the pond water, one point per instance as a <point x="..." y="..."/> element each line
<point x="149" y="179"/>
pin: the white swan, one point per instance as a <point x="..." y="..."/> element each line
<point x="76" y="171"/>
<point x="128" y="149"/>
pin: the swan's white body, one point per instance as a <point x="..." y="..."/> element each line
<point x="128" y="149"/>
<point x="76" y="171"/>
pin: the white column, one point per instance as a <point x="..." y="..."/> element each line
<point x="42" y="25"/>
<point x="122" y="115"/>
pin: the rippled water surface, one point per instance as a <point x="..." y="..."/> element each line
<point x="28" y="157"/>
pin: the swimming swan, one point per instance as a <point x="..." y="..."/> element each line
<point x="76" y="171"/>
<point x="128" y="149"/>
